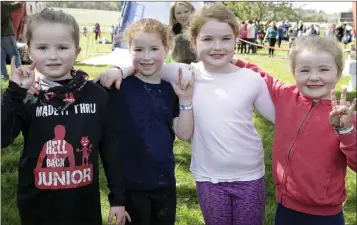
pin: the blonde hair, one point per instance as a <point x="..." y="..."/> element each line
<point x="317" y="43"/>
<point x="172" y="18"/>
<point x="150" y="26"/>
<point x="183" y="51"/>
<point x="212" y="11"/>
<point x="51" y="16"/>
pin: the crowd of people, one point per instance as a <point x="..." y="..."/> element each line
<point x="251" y="34"/>
<point x="131" y="114"/>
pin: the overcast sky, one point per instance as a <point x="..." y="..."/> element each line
<point x="329" y="7"/>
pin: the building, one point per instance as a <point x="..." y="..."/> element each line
<point x="346" y="17"/>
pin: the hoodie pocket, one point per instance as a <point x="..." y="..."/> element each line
<point x="308" y="186"/>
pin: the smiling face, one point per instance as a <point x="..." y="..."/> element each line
<point x="316" y="73"/>
<point x="182" y="14"/>
<point x="215" y="45"/>
<point x="53" y="48"/>
<point x="148" y="53"/>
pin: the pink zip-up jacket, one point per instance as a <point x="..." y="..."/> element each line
<point x="309" y="158"/>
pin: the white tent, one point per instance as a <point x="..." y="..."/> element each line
<point x="131" y="12"/>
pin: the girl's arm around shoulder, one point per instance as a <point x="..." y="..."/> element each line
<point x="263" y="101"/>
<point x="169" y="72"/>
<point x="276" y="88"/>
<point x="15" y="116"/>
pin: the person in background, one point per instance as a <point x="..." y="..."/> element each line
<point x="291" y="40"/>
<point x="300" y="28"/>
<point x="251" y="36"/>
<point x="311" y="31"/>
<point x="96" y="30"/>
<point x="183" y="51"/>
<point x="280" y="34"/>
<point x="180" y="15"/>
<point x="256" y="32"/>
<point x="339" y="31"/>
<point x="317" y="28"/>
<point x="8" y="41"/>
<point x="271" y="35"/>
<point x="243" y="36"/>
<point x="287" y="27"/>
<point x="111" y="32"/>
<point x="85" y="31"/>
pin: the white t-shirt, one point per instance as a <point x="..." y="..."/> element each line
<point x="225" y="145"/>
<point x="251" y="31"/>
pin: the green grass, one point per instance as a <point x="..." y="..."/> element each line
<point x="188" y="211"/>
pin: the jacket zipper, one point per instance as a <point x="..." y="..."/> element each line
<point x="292" y="145"/>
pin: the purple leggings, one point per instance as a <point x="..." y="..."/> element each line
<point x="232" y="203"/>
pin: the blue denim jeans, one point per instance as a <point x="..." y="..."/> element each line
<point x="9" y="48"/>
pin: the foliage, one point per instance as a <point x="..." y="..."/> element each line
<point x="266" y="12"/>
<point x="111" y="6"/>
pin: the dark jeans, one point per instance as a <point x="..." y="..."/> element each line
<point x="286" y="216"/>
<point x="279" y="41"/>
<point x="155" y="207"/>
<point x="251" y="46"/>
<point x="9" y="48"/>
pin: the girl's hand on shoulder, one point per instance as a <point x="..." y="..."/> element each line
<point x="342" y="111"/>
<point x="184" y="88"/>
<point x="110" y="77"/>
<point x="24" y="76"/>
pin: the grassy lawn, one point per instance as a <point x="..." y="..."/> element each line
<point x="188" y="211"/>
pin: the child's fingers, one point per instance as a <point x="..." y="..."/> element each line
<point x="179" y="76"/>
<point x="352" y="107"/>
<point x="33" y="66"/>
<point x="117" y="84"/>
<point x="333" y="113"/>
<point x="342" y="110"/>
<point x="184" y="84"/>
<point x="193" y="78"/>
<point x="32" y="90"/>
<point x="175" y="86"/>
<point x="110" y="217"/>
<point x="333" y="99"/>
<point x="23" y="70"/>
<point x="343" y="96"/>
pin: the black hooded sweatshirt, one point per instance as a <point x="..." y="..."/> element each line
<point x="58" y="176"/>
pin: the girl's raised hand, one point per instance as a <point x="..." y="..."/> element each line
<point x="184" y="88"/>
<point x="24" y="76"/>
<point x="342" y="111"/>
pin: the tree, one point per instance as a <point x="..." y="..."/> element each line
<point x="112" y="6"/>
<point x="264" y="12"/>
